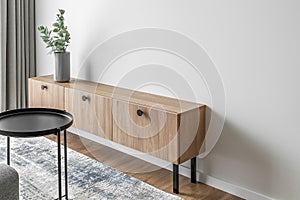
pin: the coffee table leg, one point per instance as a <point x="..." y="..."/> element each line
<point x="66" y="164"/>
<point x="59" y="164"/>
<point x="8" y="151"/>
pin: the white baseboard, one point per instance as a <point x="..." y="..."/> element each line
<point x="185" y="171"/>
<point x="224" y="186"/>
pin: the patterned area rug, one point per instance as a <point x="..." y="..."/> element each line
<point x="35" y="160"/>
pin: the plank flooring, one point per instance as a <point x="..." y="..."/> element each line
<point x="144" y="171"/>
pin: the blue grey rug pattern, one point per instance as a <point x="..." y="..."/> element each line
<point x="36" y="161"/>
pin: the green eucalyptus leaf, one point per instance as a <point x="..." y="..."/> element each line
<point x="62" y="11"/>
<point x="55" y="24"/>
<point x="41" y="28"/>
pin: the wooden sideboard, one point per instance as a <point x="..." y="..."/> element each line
<point x="167" y="128"/>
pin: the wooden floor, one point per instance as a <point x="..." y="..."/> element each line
<point x="144" y="171"/>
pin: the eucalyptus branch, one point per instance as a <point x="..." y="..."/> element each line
<point x="57" y="39"/>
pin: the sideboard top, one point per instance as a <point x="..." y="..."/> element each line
<point x="137" y="97"/>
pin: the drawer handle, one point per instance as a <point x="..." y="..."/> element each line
<point x="139" y="112"/>
<point x="43" y="87"/>
<point x="84" y="98"/>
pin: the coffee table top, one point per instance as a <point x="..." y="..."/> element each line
<point x="33" y="122"/>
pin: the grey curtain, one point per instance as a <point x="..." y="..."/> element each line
<point x="17" y="46"/>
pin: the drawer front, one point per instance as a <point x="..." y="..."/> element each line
<point x="149" y="130"/>
<point x="92" y="113"/>
<point x="42" y="94"/>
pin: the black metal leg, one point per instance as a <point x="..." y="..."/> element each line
<point x="8" y="151"/>
<point x="175" y="179"/>
<point x="66" y="164"/>
<point x="59" y="165"/>
<point x="193" y="170"/>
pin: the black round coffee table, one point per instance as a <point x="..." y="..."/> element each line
<point x="34" y="122"/>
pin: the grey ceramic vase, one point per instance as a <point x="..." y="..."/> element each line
<point x="62" y="67"/>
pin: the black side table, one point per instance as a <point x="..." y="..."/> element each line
<point x="34" y="122"/>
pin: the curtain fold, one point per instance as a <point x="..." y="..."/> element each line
<point x="17" y="51"/>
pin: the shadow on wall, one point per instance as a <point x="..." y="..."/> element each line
<point x="241" y="157"/>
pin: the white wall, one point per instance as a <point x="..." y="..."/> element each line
<point x="255" y="46"/>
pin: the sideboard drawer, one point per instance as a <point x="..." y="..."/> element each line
<point x="92" y="113"/>
<point x="150" y="130"/>
<point x="43" y="94"/>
